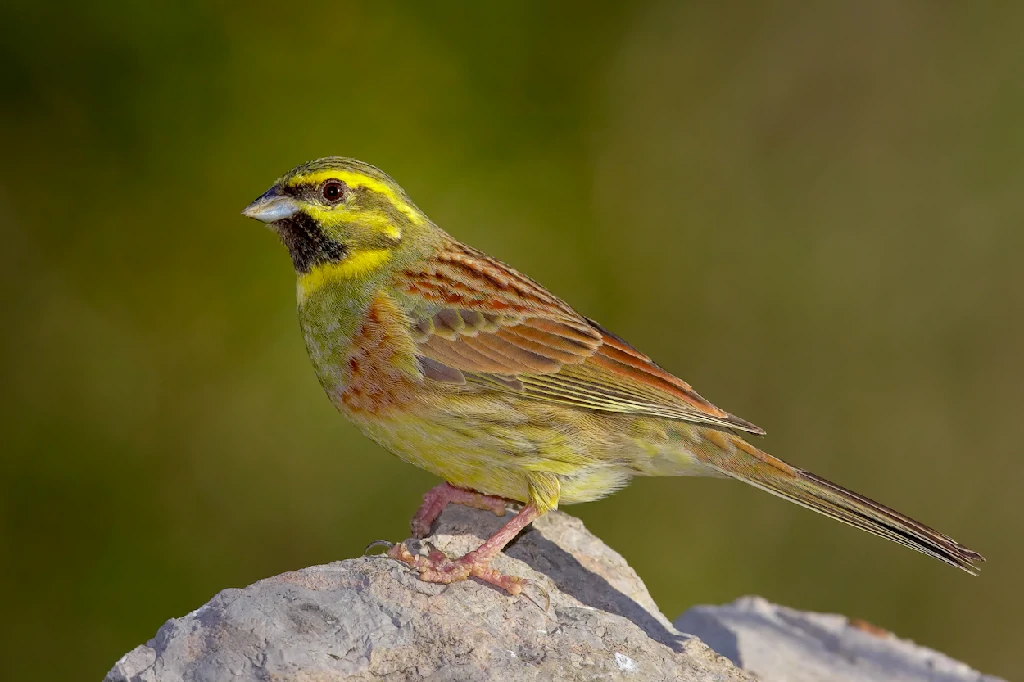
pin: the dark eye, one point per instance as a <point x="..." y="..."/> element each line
<point x="333" y="190"/>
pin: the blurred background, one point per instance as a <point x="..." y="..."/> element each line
<point x="810" y="211"/>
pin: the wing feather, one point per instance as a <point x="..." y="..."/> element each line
<point x="480" y="321"/>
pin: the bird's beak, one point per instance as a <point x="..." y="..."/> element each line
<point x="271" y="206"/>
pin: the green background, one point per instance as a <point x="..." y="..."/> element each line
<point x="810" y="211"/>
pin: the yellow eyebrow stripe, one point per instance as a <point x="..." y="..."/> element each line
<point x="356" y="264"/>
<point x="353" y="179"/>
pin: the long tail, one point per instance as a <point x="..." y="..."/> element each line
<point x="739" y="459"/>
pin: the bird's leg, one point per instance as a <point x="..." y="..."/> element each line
<point x="438" y="568"/>
<point x="441" y="496"/>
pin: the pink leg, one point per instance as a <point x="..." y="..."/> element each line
<point x="438" y="568"/>
<point x="441" y="496"/>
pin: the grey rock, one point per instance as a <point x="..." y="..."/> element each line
<point x="371" y="619"/>
<point x="780" y="644"/>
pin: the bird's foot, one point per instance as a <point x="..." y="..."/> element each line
<point x="436" y="567"/>
<point x="441" y="496"/>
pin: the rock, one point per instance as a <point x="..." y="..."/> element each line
<point x="777" y="643"/>
<point x="371" y="619"/>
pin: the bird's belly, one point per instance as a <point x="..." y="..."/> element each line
<point x="495" y="464"/>
<point x="492" y="444"/>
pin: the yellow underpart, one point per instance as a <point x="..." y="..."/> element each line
<point x="353" y="179"/>
<point x="356" y="264"/>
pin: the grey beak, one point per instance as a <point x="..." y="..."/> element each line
<point x="271" y="206"/>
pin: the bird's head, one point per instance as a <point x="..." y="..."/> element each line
<point x="339" y="218"/>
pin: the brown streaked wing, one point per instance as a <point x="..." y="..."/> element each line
<point x="496" y="326"/>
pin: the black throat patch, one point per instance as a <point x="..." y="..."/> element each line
<point x="307" y="243"/>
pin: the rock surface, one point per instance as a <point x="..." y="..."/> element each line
<point x="780" y="644"/>
<point x="372" y="619"/>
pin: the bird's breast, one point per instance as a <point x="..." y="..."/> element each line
<point x="364" y="355"/>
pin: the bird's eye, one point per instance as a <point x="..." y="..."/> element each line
<point x="333" y="190"/>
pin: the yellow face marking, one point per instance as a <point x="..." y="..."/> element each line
<point x="356" y="264"/>
<point x="328" y="216"/>
<point x="353" y="179"/>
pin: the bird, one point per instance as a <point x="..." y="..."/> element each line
<point x="459" y="364"/>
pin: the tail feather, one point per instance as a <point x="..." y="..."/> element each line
<point x="772" y="475"/>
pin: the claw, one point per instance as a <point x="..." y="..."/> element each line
<point x="547" y="596"/>
<point x="401" y="553"/>
<point x="378" y="543"/>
